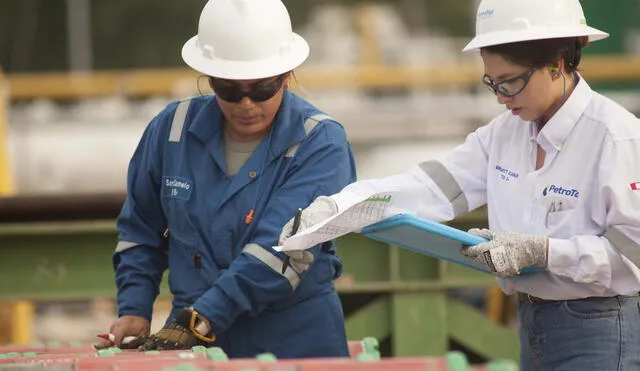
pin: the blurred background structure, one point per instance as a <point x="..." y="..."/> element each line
<point x="82" y="78"/>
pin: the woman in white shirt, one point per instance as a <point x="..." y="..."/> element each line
<point x="559" y="172"/>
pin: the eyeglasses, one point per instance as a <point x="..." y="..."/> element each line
<point x="510" y="87"/>
<point x="259" y="92"/>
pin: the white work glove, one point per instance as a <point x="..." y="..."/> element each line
<point x="507" y="253"/>
<point x="321" y="208"/>
<point x="300" y="260"/>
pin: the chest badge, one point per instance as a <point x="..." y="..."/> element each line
<point x="177" y="187"/>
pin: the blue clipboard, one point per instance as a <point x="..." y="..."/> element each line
<point x="429" y="238"/>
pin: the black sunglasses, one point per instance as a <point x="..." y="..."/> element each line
<point x="259" y="92"/>
<point x="510" y="87"/>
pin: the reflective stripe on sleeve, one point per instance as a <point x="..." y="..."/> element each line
<point x="125" y="245"/>
<point x="447" y="184"/>
<point x="627" y="247"/>
<point x="272" y="262"/>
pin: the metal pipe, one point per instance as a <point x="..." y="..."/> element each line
<point x="79" y="32"/>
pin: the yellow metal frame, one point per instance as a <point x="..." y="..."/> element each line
<point x="6" y="181"/>
<point x="369" y="75"/>
<point x="22" y="326"/>
<point x="20" y="322"/>
<point x="496" y="301"/>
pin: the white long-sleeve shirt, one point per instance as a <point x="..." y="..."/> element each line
<point x="586" y="196"/>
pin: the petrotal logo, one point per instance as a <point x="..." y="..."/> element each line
<point x="559" y="190"/>
<point x="485" y="13"/>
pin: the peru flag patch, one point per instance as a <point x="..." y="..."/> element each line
<point x="635" y="186"/>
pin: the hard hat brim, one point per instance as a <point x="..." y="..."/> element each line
<point x="534" y="33"/>
<point x="193" y="56"/>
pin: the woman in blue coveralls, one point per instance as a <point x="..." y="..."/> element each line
<point x="559" y="171"/>
<point x="210" y="185"/>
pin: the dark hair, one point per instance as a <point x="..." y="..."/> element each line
<point x="540" y="53"/>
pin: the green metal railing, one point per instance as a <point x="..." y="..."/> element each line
<point x="387" y="292"/>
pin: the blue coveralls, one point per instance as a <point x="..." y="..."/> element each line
<point x="219" y="264"/>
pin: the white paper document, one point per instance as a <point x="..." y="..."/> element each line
<point x="374" y="208"/>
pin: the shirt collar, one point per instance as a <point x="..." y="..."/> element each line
<point x="557" y="129"/>
<point x="287" y="125"/>
<point x="207" y="123"/>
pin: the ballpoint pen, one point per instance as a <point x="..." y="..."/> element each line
<point x="294" y="230"/>
<point x="551" y="209"/>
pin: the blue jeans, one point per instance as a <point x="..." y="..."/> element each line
<point x="590" y="334"/>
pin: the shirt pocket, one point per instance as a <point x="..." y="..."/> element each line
<point x="178" y="219"/>
<point x="556" y="220"/>
<point x="183" y="242"/>
<point x="185" y="280"/>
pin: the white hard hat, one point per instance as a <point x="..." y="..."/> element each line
<point x="244" y="39"/>
<point x="508" y="21"/>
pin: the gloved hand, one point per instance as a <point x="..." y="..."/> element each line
<point x="507" y="253"/>
<point x="135" y="328"/>
<point x="320" y="209"/>
<point x="300" y="260"/>
<point x="183" y="332"/>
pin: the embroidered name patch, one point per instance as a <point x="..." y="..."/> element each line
<point x="176" y="187"/>
<point x="506" y="174"/>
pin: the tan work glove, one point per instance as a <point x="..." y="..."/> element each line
<point x="183" y="332"/>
